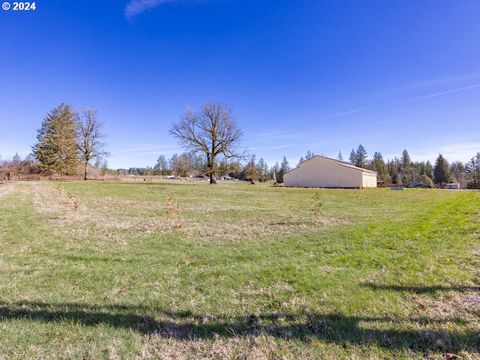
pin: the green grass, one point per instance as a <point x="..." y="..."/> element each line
<point x="187" y="270"/>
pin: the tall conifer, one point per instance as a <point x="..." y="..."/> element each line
<point x="56" y="148"/>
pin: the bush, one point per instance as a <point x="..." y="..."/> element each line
<point x="317" y="205"/>
<point x="427" y="181"/>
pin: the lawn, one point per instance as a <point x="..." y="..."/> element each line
<point x="121" y="270"/>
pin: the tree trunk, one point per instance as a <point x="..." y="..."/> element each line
<point x="85" y="172"/>
<point x="212" y="167"/>
<point x="212" y="178"/>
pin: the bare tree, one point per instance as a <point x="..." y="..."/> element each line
<point x="90" y="138"/>
<point x="212" y="132"/>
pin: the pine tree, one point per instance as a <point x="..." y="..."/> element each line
<point x="353" y="156"/>
<point x="441" y="172"/>
<point x="378" y="165"/>
<point x="458" y="173"/>
<point x="340" y="156"/>
<point x="393" y="170"/>
<point x="56" y="148"/>
<point x="284" y="167"/>
<point x="161" y="166"/>
<point x="473" y="172"/>
<point x="262" y="170"/>
<point x="429" y="169"/>
<point x="406" y="170"/>
<point x="405" y="160"/>
<point x="359" y="157"/>
<point x="16" y="160"/>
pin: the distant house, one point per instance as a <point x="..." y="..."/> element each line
<point x="225" y="177"/>
<point x="324" y="172"/>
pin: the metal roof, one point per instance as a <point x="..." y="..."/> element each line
<point x="339" y="162"/>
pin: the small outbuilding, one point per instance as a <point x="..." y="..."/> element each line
<point x="324" y="172"/>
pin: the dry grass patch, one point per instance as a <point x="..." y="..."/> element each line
<point x="6" y="188"/>
<point x="112" y="217"/>
<point x="82" y="219"/>
<point x="451" y="305"/>
<point x="261" y="347"/>
<point x="251" y="228"/>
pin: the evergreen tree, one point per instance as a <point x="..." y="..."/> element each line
<point x="301" y="160"/>
<point x="262" y="169"/>
<point x="405" y="160"/>
<point x="473" y="172"/>
<point x="406" y="170"/>
<point x="161" y="167"/>
<point x="420" y="168"/>
<point x="378" y="165"/>
<point x="284" y="167"/>
<point x="353" y="156"/>
<point x="340" y="156"/>
<point x="56" y="148"/>
<point x="441" y="172"/>
<point x="394" y="171"/>
<point x="16" y="160"/>
<point x="359" y="157"/>
<point x="309" y="155"/>
<point x="459" y="173"/>
<point x="429" y="169"/>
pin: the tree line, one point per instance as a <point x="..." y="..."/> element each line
<point x="69" y="142"/>
<point x="399" y="171"/>
<point x="190" y="164"/>
<point x="405" y="172"/>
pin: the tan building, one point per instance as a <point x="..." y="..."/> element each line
<point x="324" y="172"/>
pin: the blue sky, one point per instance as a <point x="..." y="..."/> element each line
<point x="317" y="75"/>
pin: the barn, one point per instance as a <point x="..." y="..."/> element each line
<point x="324" y="172"/>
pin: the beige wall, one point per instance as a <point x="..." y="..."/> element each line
<point x="324" y="172"/>
<point x="369" y="180"/>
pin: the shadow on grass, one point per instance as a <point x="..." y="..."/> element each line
<point x="415" y="334"/>
<point x="422" y="289"/>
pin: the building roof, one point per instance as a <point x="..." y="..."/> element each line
<point x="339" y="162"/>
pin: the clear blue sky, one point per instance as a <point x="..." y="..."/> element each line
<point x="318" y="75"/>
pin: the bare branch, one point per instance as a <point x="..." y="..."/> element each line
<point x="90" y="138"/>
<point x="212" y="132"/>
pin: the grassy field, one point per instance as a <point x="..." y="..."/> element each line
<point x="175" y="270"/>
